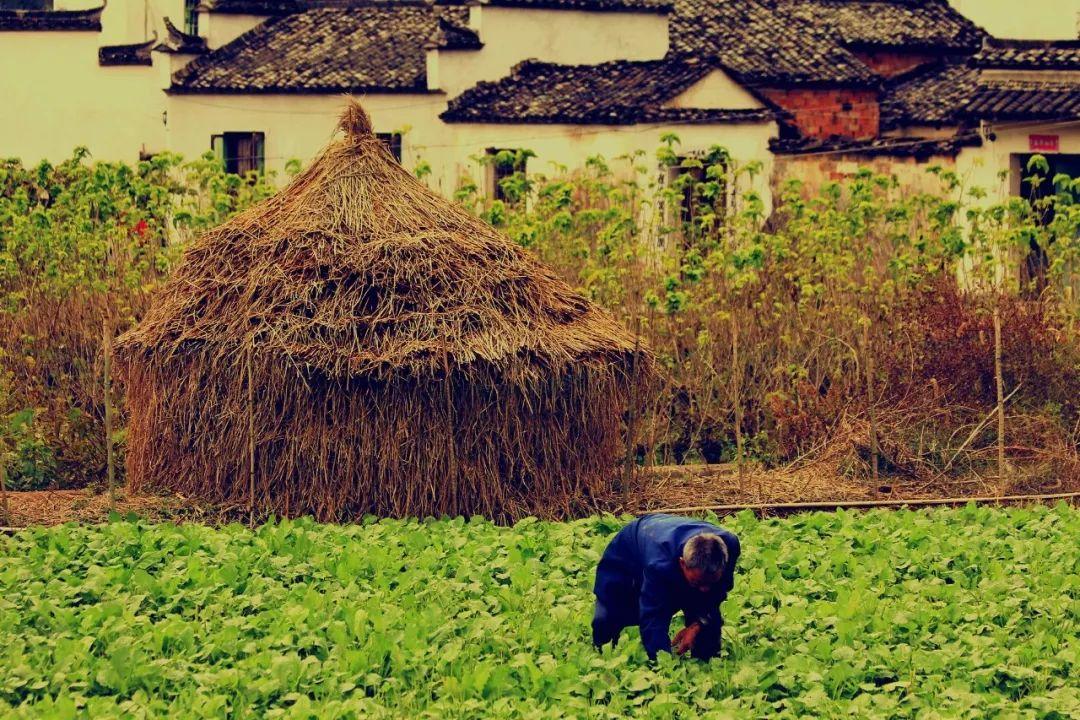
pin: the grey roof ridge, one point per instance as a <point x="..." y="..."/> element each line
<point x="82" y="19"/>
<point x="118" y="55"/>
<point x="456" y="113"/>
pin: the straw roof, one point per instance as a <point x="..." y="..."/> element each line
<point x="358" y="269"/>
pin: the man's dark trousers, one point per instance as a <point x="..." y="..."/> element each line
<point x="611" y="616"/>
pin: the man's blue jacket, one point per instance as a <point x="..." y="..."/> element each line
<point x="639" y="577"/>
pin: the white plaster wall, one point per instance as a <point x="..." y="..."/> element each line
<point x="222" y="28"/>
<point x="1034" y="19"/>
<point x="453" y="154"/>
<point x="715" y="91"/>
<point x="570" y="37"/>
<point x="980" y="166"/>
<point x="295" y="126"/>
<point x="56" y="97"/>
<point x="129" y="21"/>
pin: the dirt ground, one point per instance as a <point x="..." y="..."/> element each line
<point x="661" y="488"/>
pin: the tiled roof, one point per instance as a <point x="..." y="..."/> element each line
<point x="891" y="146"/>
<point x="612" y="93"/>
<point x="49" y="20"/>
<point x="177" y="41"/>
<point x="661" y="6"/>
<point x="954" y="93"/>
<point x="252" y="7"/>
<point x="1015" y="100"/>
<point x="933" y="95"/>
<point x="875" y="24"/>
<point x="764" y="46"/>
<point x="286" y="7"/>
<point x="133" y="54"/>
<point x="356" y="49"/>
<point x="1029" y="55"/>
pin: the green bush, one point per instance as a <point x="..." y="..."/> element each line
<point x="83" y="244"/>
<point x="31" y="464"/>
<point x="681" y="249"/>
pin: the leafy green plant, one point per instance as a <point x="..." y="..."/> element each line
<point x="83" y="244"/>
<point x="30" y="463"/>
<point x="967" y="613"/>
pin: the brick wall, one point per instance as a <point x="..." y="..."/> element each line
<point x="827" y="113"/>
<point x="816" y="170"/>
<point x="891" y="64"/>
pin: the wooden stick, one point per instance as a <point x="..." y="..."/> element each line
<point x="1000" y="389"/>
<point x="251" y="431"/>
<point x="869" y="366"/>
<point x="631" y="420"/>
<point x="826" y="505"/>
<point x="3" y="484"/>
<point x="982" y="423"/>
<point x="110" y="459"/>
<point x="738" y="399"/>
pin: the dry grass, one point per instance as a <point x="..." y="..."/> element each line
<point x="359" y="344"/>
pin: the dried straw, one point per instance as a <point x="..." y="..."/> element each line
<point x="406" y="359"/>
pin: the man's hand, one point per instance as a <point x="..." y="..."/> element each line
<point x="684" y="639"/>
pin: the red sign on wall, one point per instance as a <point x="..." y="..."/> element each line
<point x="1043" y="143"/>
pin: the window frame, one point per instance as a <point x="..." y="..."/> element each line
<point x="497" y="172"/>
<point x="191" y="17"/>
<point x="219" y="145"/>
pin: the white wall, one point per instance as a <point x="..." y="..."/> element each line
<point x="1032" y="19"/>
<point x="222" y="28"/>
<point x="571" y="145"/>
<point x="715" y="91"/>
<point x="296" y="126"/>
<point x="979" y="166"/>
<point x="570" y="37"/>
<point x="60" y="97"/>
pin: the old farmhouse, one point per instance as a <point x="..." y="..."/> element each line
<point x="809" y="88"/>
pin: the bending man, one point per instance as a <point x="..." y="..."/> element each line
<point x="656" y="566"/>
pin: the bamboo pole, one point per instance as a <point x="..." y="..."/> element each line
<point x="110" y="459"/>
<point x="631" y="420"/>
<point x="3" y="484"/>
<point x="737" y="383"/>
<point x="868" y="365"/>
<point x="1000" y="390"/>
<point x="827" y="505"/>
<point x="251" y="431"/>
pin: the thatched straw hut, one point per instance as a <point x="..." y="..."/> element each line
<point x="357" y="344"/>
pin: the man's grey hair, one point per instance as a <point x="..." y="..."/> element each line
<point x="706" y="552"/>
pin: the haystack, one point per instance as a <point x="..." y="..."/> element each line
<point x="358" y="344"/>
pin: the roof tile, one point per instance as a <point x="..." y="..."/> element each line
<point x="51" y="20"/>
<point x="361" y="48"/>
<point x="612" y="93"/>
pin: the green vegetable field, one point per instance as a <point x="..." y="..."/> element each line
<point x="971" y="613"/>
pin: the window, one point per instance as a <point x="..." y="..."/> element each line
<point x="392" y="141"/>
<point x="700" y="185"/>
<point x="1035" y="182"/>
<point x="242" y="152"/>
<point x="503" y="165"/>
<point x="191" y="17"/>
